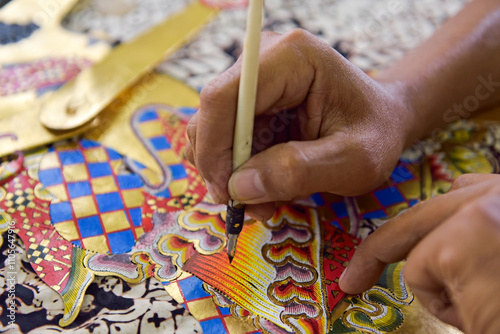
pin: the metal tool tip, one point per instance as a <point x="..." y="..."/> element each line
<point x="230" y="258"/>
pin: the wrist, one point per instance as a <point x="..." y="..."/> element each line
<point x="403" y="105"/>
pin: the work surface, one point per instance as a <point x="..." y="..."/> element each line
<point x="112" y="230"/>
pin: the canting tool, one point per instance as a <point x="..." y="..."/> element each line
<point x="243" y="130"/>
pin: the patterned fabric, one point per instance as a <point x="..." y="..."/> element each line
<point x="181" y="228"/>
<point x="277" y="271"/>
<point x="203" y="303"/>
<point x="57" y="262"/>
<point x="110" y="304"/>
<point x="372" y="34"/>
<point x="99" y="202"/>
<point x="378" y="310"/>
<point x="40" y="75"/>
<point x="338" y="249"/>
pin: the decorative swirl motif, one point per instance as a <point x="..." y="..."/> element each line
<point x="162" y="251"/>
<point x="171" y="136"/>
<point x="286" y="252"/>
<point x="294" y="233"/>
<point x="291" y="245"/>
<point x="296" y="272"/>
<point x="140" y="115"/>
<point x="285" y="292"/>
<point x="379" y="310"/>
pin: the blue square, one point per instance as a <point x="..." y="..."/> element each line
<point x="90" y="226"/>
<point x="129" y="181"/>
<point x="192" y="288"/>
<point x="77" y="243"/>
<point x="60" y="212"/>
<point x="318" y="199"/>
<point x="375" y="214"/>
<point x="109" y="202"/>
<point x="178" y="171"/>
<point x="413" y="202"/>
<point x="213" y="326"/>
<point x="98" y="169"/>
<point x="389" y="196"/>
<point x="401" y="174"/>
<point x="121" y="242"/>
<point x="71" y="157"/>
<point x="113" y="155"/>
<point x="160" y="142"/>
<point x="340" y="209"/>
<point x="85" y="143"/>
<point x="224" y="310"/>
<point x="136" y="215"/>
<point x="148" y="115"/>
<point x="49" y="177"/>
<point x="79" y="189"/>
<point x="164" y="194"/>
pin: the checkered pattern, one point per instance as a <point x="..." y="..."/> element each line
<point x="213" y="319"/>
<point x="388" y="200"/>
<point x="99" y="207"/>
<point x="402" y="192"/>
<point x="161" y="129"/>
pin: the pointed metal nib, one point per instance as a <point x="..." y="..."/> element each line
<point x="232" y="239"/>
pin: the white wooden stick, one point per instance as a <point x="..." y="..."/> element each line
<point x="243" y="130"/>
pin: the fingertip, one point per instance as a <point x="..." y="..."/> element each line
<point x="246" y="186"/>
<point x="348" y="284"/>
<point x="360" y="275"/>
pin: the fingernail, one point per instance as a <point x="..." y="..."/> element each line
<point x="342" y="276"/>
<point x="212" y="192"/>
<point x="246" y="185"/>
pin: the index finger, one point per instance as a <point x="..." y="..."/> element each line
<point x="393" y="241"/>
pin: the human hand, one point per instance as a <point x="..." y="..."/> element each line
<point x="321" y="125"/>
<point x="452" y="246"/>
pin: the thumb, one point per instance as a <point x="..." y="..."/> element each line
<point x="286" y="171"/>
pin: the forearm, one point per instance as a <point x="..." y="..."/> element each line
<point x="455" y="73"/>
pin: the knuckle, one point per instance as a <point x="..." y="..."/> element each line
<point x="462" y="181"/>
<point x="450" y="259"/>
<point x="269" y="36"/>
<point x="297" y="35"/>
<point x="211" y="92"/>
<point x="487" y="206"/>
<point x="191" y="131"/>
